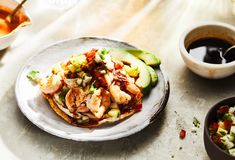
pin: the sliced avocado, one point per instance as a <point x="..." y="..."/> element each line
<point x="144" y="79"/>
<point x="115" y="113"/>
<point x="154" y="76"/>
<point x="149" y="58"/>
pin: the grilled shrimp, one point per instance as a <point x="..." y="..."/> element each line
<point x="131" y="87"/>
<point x="71" y="83"/>
<point x="119" y="96"/>
<point x="74" y="100"/>
<point x="51" y="84"/>
<point x="98" y="102"/>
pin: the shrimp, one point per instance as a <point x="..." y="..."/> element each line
<point x="99" y="102"/>
<point x="105" y="101"/>
<point x="119" y="96"/>
<point x="74" y="100"/>
<point x="131" y="87"/>
<point x="51" y="84"/>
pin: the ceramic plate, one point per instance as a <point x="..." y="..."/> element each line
<point x="38" y="111"/>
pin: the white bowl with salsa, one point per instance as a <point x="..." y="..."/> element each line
<point x="8" y="31"/>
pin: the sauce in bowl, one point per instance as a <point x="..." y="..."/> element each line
<point x="210" y="50"/>
<point x="5" y="26"/>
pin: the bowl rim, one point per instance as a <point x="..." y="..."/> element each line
<point x="14" y="31"/>
<point x="206" y="123"/>
<point x="185" y="53"/>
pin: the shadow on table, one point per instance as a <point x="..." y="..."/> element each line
<point x="2" y="54"/>
<point x="25" y="140"/>
<point x="207" y="88"/>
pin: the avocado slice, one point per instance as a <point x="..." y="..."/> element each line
<point x="114" y="113"/>
<point x="144" y="80"/>
<point x="154" y="76"/>
<point x="148" y="58"/>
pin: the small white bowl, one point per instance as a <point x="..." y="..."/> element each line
<point x="6" y="40"/>
<point x="207" y="30"/>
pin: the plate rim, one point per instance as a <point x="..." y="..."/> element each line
<point x="162" y="104"/>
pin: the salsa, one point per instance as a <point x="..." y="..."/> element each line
<point x="5" y="26"/>
<point x="222" y="130"/>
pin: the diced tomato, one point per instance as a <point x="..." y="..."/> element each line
<point x="215" y="126"/>
<point x="182" y="134"/>
<point x="216" y="139"/>
<point x="102" y="81"/>
<point x="227" y="124"/>
<point x="90" y="55"/>
<point x="118" y="66"/>
<point x="223" y="109"/>
<point x="137" y="107"/>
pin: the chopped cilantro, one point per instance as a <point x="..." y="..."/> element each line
<point x="33" y="75"/>
<point x="103" y="52"/>
<point x="92" y="88"/>
<point x="196" y="122"/>
<point x="63" y="93"/>
<point x="227" y="116"/>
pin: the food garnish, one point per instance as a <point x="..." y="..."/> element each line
<point x="33" y="75"/>
<point x="97" y="87"/>
<point x="182" y="134"/>
<point x="196" y="122"/>
<point x="222" y="130"/>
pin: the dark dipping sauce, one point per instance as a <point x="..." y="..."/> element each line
<point x="210" y="50"/>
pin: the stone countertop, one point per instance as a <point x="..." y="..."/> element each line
<point x="154" y="25"/>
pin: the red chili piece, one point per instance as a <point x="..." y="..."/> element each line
<point x="182" y="134"/>
<point x="227" y="124"/>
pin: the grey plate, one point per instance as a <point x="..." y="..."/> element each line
<point x="38" y="111"/>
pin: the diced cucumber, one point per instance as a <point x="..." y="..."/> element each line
<point x="115" y="113"/>
<point x="79" y="60"/>
<point x="132" y="71"/>
<point x="231" y="110"/>
<point x="84" y="119"/>
<point x="226" y="141"/>
<point x="222" y="131"/>
<point x="232" y="151"/>
<point x="79" y="81"/>
<point x="72" y="68"/>
<point x="232" y="130"/>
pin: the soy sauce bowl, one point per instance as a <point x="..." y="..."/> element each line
<point x="214" y="151"/>
<point x="215" y="30"/>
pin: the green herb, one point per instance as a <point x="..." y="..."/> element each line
<point x="63" y="93"/>
<point x="33" y="76"/>
<point x="103" y="52"/>
<point x="92" y="88"/>
<point x="227" y="116"/>
<point x="196" y="122"/>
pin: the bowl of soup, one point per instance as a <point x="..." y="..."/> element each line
<point x="202" y="48"/>
<point x="9" y="30"/>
